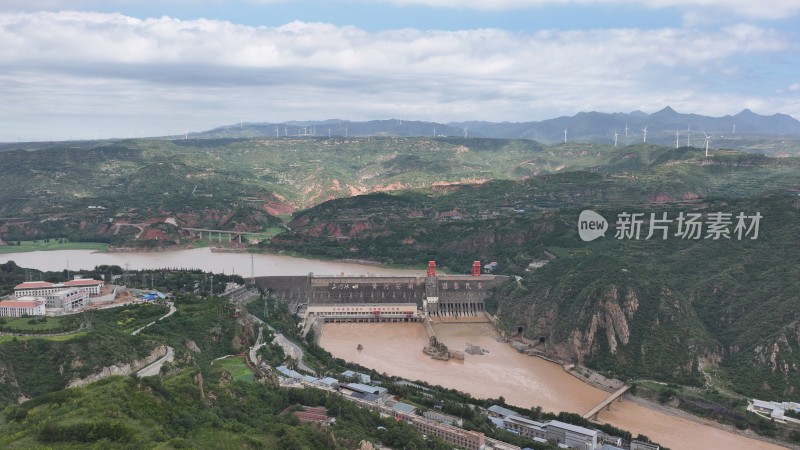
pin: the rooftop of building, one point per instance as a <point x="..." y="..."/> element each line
<point x="24" y="302"/>
<point x="500" y="411"/>
<point x="404" y="407"/>
<point x="360" y="387"/>
<point x="351" y="374"/>
<point x="367" y="397"/>
<point x="328" y="381"/>
<point x="571" y="427"/>
<point x="83" y="282"/>
<point x="498" y="422"/>
<point x="765" y="404"/>
<point x="47" y="284"/>
<point x="610" y="447"/>
<point x="289" y="372"/>
<point x="34" y="285"/>
<point x="525" y="421"/>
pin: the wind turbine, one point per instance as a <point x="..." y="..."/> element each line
<point x="708" y="138"/>
<point x="615" y="137"/>
<point x="734" y="129"/>
<point x="565" y="135"/>
<point x="644" y="138"/>
<point x="689" y="136"/>
<point x="465" y="132"/>
<point x="677" y="135"/>
<point x="626" y="130"/>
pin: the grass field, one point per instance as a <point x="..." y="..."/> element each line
<point x="236" y="366"/>
<point x="21" y="323"/>
<point x="267" y="234"/>
<point x="30" y="246"/>
<point x="66" y="337"/>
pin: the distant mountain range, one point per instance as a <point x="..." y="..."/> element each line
<point x="586" y="127"/>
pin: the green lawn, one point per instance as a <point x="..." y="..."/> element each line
<point x="21" y="323"/>
<point x="267" y="234"/>
<point x="30" y="246"/>
<point x="200" y="243"/>
<point x="236" y="366"/>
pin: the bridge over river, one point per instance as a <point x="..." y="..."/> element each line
<point x="592" y="414"/>
<point x="219" y="233"/>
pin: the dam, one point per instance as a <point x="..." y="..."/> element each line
<point x="384" y="298"/>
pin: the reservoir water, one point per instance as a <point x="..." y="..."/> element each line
<point x="396" y="348"/>
<point x="199" y="258"/>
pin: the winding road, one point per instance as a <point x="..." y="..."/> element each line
<point x="172" y="310"/>
<point x="289" y="347"/>
<point x="155" y="367"/>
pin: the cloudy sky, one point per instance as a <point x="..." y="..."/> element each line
<point x="78" y="69"/>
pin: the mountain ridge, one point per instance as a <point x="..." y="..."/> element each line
<point x="585" y="126"/>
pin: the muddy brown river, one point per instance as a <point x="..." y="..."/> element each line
<point x="396" y="349"/>
<point x="199" y="258"/>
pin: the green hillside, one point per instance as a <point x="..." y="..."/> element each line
<point x="141" y="192"/>
<point x="692" y="311"/>
<point x="191" y="410"/>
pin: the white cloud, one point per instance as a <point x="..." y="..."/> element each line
<point x="775" y="9"/>
<point x="164" y="74"/>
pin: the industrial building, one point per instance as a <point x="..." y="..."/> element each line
<point x="470" y="440"/>
<point x="66" y="300"/>
<point x="573" y="436"/>
<point x="568" y="435"/>
<point x="363" y="312"/>
<point x="433" y="295"/>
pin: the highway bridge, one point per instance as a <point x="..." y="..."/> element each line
<point x="219" y="233"/>
<point x="592" y="414"/>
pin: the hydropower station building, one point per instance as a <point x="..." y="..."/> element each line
<point x="385" y="298"/>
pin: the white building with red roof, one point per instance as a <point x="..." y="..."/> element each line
<point x="25" y="306"/>
<point x="92" y="286"/>
<point x="33" y="288"/>
<point x="43" y="288"/>
<point x="60" y="298"/>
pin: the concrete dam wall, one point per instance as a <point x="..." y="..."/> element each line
<point x="446" y="295"/>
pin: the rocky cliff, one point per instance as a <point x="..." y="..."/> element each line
<point x="119" y="369"/>
<point x="609" y="318"/>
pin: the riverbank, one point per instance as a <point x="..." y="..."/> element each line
<point x="261" y="264"/>
<point x="42" y="246"/>
<point x="396" y="349"/>
<point x="600" y="381"/>
<point x="675" y="412"/>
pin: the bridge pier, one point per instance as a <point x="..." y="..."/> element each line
<point x="593" y="413"/>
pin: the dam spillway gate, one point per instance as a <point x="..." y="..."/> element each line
<point x="383" y="298"/>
